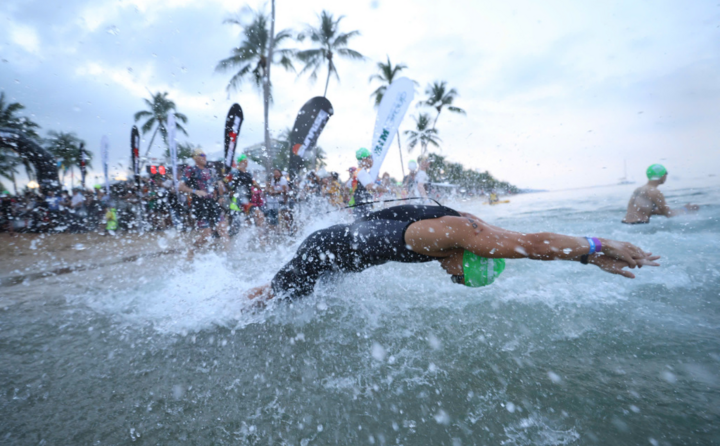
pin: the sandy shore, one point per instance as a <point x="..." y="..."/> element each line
<point x="30" y="256"/>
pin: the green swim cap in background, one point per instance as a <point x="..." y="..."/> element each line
<point x="241" y="158"/>
<point x="656" y="171"/>
<point x="362" y="153"/>
<point x="480" y="271"/>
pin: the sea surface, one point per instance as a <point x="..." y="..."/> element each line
<point x="159" y="351"/>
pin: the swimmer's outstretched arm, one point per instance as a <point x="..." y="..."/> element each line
<point x="438" y="236"/>
<point x="662" y="208"/>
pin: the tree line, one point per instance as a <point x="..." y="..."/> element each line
<point x="443" y="171"/>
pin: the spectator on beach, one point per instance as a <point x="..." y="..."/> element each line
<point x="65" y="200"/>
<point x="276" y="197"/>
<point x="52" y="202"/>
<point x="77" y="201"/>
<point x="253" y="209"/>
<point x="421" y="179"/>
<point x="409" y="180"/>
<point x="332" y="190"/>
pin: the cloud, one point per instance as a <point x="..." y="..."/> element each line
<point x="26" y="37"/>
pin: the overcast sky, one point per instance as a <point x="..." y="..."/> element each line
<point x="558" y="93"/>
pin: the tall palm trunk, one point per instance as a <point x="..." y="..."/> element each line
<point x="402" y="163"/>
<point x="436" y="118"/>
<point x="12" y="174"/>
<point x="151" y="140"/>
<point x="327" y="82"/>
<point x="266" y="89"/>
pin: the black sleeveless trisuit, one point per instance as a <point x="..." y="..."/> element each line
<point x="372" y="240"/>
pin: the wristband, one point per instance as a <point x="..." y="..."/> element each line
<point x="598" y="244"/>
<point x="592" y="245"/>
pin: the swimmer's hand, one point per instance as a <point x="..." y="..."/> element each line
<point x="201" y="193"/>
<point x="627" y="252"/>
<point x="615" y="266"/>
<point x="261" y="293"/>
<point x="692" y="207"/>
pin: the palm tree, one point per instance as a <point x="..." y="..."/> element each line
<point x="422" y="134"/>
<point x="184" y="150"/>
<point x="320" y="157"/>
<point x="439" y="97"/>
<point x="8" y="118"/>
<point x="66" y="147"/>
<point x="330" y="42"/>
<point x="257" y="47"/>
<point x="386" y="77"/>
<point x="160" y="107"/>
<point x="8" y="166"/>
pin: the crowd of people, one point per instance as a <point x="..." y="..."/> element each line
<point x="76" y="210"/>
<point x="207" y="201"/>
<point x="222" y="206"/>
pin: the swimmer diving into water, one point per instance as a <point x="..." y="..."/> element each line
<point x="647" y="200"/>
<point x="469" y="249"/>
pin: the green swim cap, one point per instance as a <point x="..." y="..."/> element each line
<point x="656" y="171"/>
<point x="362" y="153"/>
<point x="241" y="158"/>
<point x="480" y="271"/>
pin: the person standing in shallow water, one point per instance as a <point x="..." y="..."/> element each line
<point x="647" y="200"/>
<point x="199" y="182"/>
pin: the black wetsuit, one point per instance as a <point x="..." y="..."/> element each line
<point x="361" y="196"/>
<point x="241" y="186"/>
<point x="372" y="240"/>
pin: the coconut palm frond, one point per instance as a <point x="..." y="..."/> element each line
<point x="149" y="124"/>
<point x="328" y="42"/>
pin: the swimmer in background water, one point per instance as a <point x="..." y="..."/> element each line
<point x="647" y="200"/>
<point x="469" y="249"/>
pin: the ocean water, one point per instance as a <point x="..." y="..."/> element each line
<point x="554" y="353"/>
